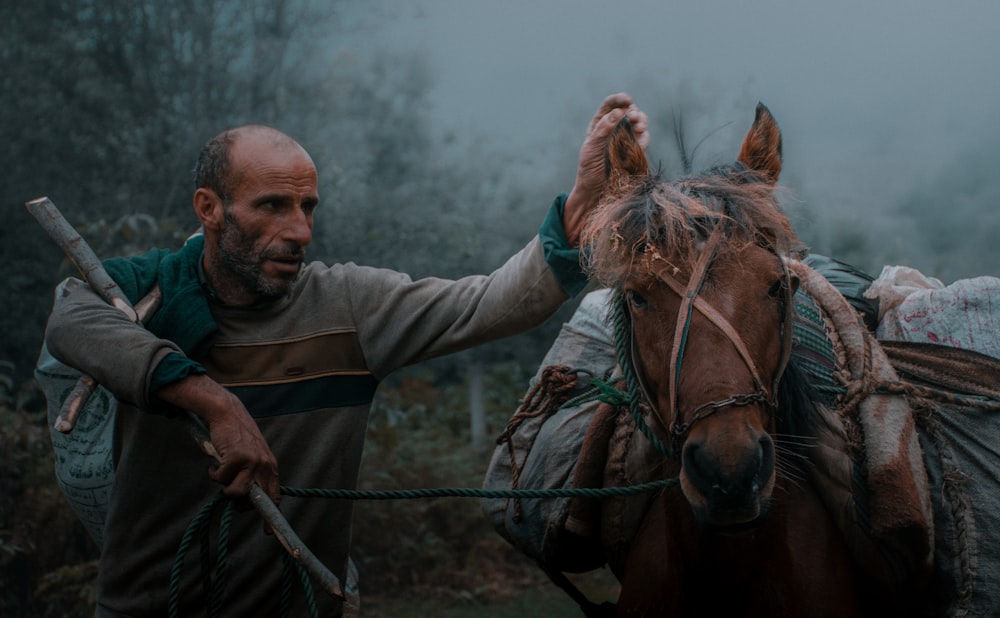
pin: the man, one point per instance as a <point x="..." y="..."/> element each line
<point x="280" y="360"/>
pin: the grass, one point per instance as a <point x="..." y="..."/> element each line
<point x="538" y="599"/>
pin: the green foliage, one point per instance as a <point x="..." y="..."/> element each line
<point x="46" y="558"/>
<point x="419" y="437"/>
<point x="32" y="266"/>
<point x="108" y="100"/>
<point x="69" y="591"/>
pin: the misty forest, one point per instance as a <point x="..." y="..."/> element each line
<point x="104" y="108"/>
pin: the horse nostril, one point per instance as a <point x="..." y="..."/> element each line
<point x="695" y="468"/>
<point x="766" y="468"/>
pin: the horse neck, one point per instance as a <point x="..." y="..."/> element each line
<point x="796" y="547"/>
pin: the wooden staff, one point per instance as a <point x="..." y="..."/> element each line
<point x="89" y="265"/>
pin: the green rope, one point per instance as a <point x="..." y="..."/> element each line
<point x="285" y="599"/>
<point x="215" y="586"/>
<point x="472" y="492"/>
<point x="222" y="562"/>
<point x="307" y="590"/>
<point x="619" y="319"/>
<point x="601" y="390"/>
<point x="684" y="339"/>
<point x="608" y="393"/>
<point x="205" y="554"/>
<point x="288" y="564"/>
<point x="198" y="524"/>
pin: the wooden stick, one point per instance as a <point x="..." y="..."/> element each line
<point x="270" y="513"/>
<point x="80" y="253"/>
<point x="87" y="262"/>
<point x="149" y="304"/>
<point x="74" y="402"/>
<point x="89" y="265"/>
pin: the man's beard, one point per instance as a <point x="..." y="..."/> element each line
<point x="244" y="266"/>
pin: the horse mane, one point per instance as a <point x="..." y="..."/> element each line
<point x="799" y="419"/>
<point x="648" y="218"/>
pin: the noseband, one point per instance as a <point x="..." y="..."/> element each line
<point x="690" y="300"/>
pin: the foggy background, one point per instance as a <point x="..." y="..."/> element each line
<point x="878" y="101"/>
<point x="442" y="130"/>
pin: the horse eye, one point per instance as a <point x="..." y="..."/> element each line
<point x="638" y="300"/>
<point x="777" y="289"/>
<point x="793" y="282"/>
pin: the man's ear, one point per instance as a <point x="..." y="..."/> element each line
<point x="209" y="208"/>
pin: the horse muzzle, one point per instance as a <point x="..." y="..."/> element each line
<point x="728" y="479"/>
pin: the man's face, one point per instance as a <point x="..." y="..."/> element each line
<point x="267" y="223"/>
<point x="247" y="260"/>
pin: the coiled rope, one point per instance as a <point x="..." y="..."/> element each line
<point x="214" y="586"/>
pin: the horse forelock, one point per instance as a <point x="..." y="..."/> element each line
<point x="649" y="219"/>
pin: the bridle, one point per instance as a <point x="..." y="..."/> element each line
<point x="691" y="301"/>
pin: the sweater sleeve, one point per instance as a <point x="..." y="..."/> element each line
<point x="173" y="367"/>
<point x="563" y="261"/>
<point x="401" y="321"/>
<point x="95" y="338"/>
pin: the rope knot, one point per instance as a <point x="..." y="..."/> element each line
<point x="608" y="393"/>
<point x="548" y="394"/>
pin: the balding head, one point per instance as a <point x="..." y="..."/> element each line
<point x="215" y="170"/>
<point x="257" y="189"/>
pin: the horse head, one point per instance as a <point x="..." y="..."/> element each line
<point x="698" y="266"/>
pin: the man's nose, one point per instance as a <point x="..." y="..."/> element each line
<point x="298" y="228"/>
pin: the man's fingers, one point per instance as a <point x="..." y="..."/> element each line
<point x="615" y="101"/>
<point x="640" y="125"/>
<point x="590" y="173"/>
<point x="218" y="474"/>
<point x="609" y="122"/>
<point x="600" y="132"/>
<point x="235" y="483"/>
<point x="272" y="488"/>
<point x="611" y="113"/>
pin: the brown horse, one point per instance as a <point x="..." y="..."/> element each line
<point x="699" y="270"/>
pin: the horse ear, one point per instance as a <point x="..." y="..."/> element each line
<point x="761" y="150"/>
<point x="625" y="158"/>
